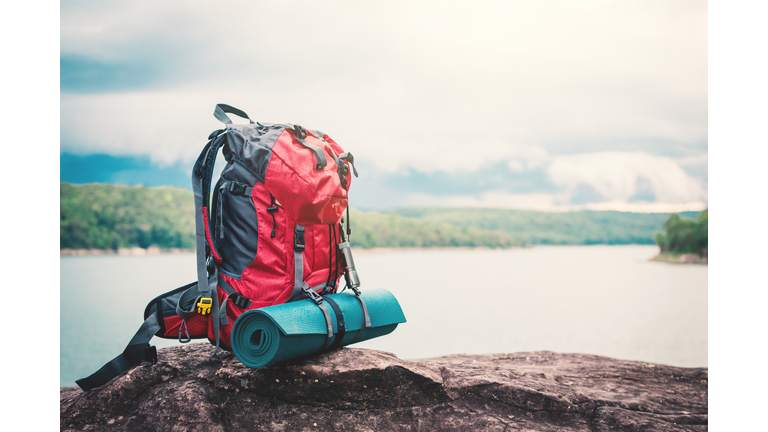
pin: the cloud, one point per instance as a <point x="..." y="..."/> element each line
<point x="543" y="104"/>
<point x="168" y="126"/>
<point x="492" y="199"/>
<point x="427" y="85"/>
<point x="642" y="207"/>
<point x="542" y="202"/>
<point x="624" y="181"/>
<point x="621" y="176"/>
<point x="695" y="160"/>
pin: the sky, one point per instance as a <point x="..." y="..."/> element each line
<point x="545" y="105"/>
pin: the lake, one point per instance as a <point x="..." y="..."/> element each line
<point x="604" y="300"/>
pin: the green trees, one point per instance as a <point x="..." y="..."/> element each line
<point x="101" y="216"/>
<point x="550" y="228"/>
<point x="373" y="229"/>
<point x="684" y="235"/>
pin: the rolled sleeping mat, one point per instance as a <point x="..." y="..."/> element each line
<point x="282" y="332"/>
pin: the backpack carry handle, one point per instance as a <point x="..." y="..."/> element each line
<point x="222" y="109"/>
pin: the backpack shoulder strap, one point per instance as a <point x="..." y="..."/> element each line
<point x="206" y="255"/>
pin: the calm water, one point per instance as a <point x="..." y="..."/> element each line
<point x="606" y="300"/>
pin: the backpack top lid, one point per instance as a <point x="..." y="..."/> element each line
<point x="305" y="170"/>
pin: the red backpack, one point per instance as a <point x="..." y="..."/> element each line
<point x="271" y="233"/>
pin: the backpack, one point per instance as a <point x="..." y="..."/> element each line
<point x="272" y="233"/>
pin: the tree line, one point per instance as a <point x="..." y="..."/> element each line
<point x="684" y="236"/>
<point x="108" y="216"/>
<point x="532" y="227"/>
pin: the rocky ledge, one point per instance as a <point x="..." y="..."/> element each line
<point x="365" y="390"/>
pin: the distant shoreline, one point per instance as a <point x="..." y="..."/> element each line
<point x="154" y="250"/>
<point x="680" y="258"/>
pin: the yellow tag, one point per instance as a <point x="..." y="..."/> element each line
<point x="204" y="305"/>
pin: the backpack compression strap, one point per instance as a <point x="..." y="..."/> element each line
<point x="301" y="134"/>
<point x="300" y="287"/>
<point x="138" y="349"/>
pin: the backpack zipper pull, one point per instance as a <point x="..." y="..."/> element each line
<point x="220" y="215"/>
<point x="272" y="210"/>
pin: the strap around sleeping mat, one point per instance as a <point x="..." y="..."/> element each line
<point x="340" y="326"/>
<point x="318" y="300"/>
<point x="328" y="323"/>
<point x="366" y="318"/>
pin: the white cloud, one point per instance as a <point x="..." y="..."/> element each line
<point x="516" y="165"/>
<point x="618" y="176"/>
<point x="448" y="155"/>
<point x="544" y="202"/>
<point x="424" y="85"/>
<point x="700" y="159"/>
<point x="642" y="207"/>
<point x="167" y="126"/>
<point x="622" y="181"/>
<point x="493" y="199"/>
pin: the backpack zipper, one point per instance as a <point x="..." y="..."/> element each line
<point x="272" y="209"/>
<point x="221" y="217"/>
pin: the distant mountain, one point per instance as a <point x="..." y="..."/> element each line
<point x="538" y="227"/>
<point x="101" y="168"/>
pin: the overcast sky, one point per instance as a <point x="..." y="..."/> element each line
<point x="529" y="104"/>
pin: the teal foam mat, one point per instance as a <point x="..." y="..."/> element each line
<point x="281" y="332"/>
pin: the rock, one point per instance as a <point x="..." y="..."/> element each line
<point x="352" y="389"/>
<point x="681" y="259"/>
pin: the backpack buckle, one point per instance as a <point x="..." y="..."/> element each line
<point x="298" y="238"/>
<point x="343" y="168"/>
<point x="240" y="300"/>
<point x="299" y="131"/>
<point x="204" y="305"/>
<point x="238" y="188"/>
<point x="315" y="297"/>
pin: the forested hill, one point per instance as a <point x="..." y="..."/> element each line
<point x="106" y="216"/>
<point x="538" y="227"/>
